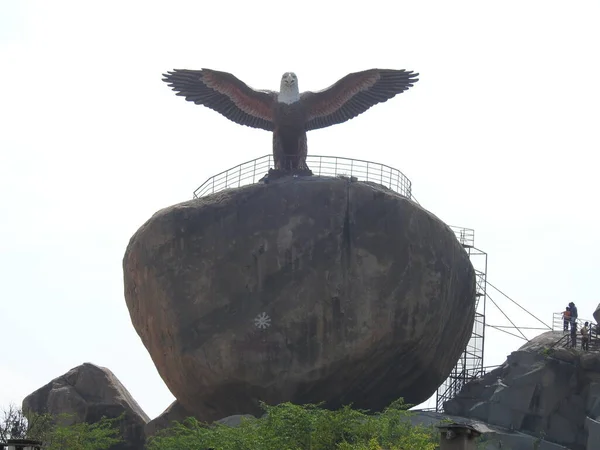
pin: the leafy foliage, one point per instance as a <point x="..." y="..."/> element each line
<point x="57" y="433"/>
<point x="84" y="436"/>
<point x="303" y="427"/>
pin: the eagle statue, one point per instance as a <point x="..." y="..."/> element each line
<point x="288" y="113"/>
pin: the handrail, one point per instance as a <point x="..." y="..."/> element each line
<point x="466" y="236"/>
<point x="566" y="337"/>
<point x="252" y="171"/>
<point x="459" y="381"/>
<point x="558" y="321"/>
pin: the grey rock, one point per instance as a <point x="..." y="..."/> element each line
<point x="593" y="402"/>
<point x="541" y="392"/>
<point x="517" y="398"/>
<point x="593" y="431"/>
<point x="565" y="354"/>
<point x="175" y="412"/>
<point x="87" y="393"/>
<point x="597" y="314"/>
<point x="504" y="416"/>
<point x="540" y="343"/>
<point x="591" y="362"/>
<point x="235" y="420"/>
<point x="562" y="429"/>
<point x="481" y="411"/>
<point x="368" y="297"/>
<point x="495" y="437"/>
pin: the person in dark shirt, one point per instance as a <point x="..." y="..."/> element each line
<point x="573" y="309"/>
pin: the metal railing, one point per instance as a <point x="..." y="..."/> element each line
<point x="457" y="381"/>
<point x="466" y="236"/>
<point x="558" y="322"/>
<point x="253" y="171"/>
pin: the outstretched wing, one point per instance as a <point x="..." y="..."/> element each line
<point x="224" y="93"/>
<point x="353" y="95"/>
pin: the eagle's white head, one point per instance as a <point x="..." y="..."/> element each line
<point x="288" y="93"/>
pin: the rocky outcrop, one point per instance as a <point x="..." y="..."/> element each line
<point x="87" y="393"/>
<point x="495" y="437"/>
<point x="597" y="314"/>
<point x="174" y="413"/>
<point x="302" y="290"/>
<point x="543" y="391"/>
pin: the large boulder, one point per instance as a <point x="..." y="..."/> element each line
<point x="303" y="290"/>
<point x="87" y="393"/>
<point x="542" y="389"/>
<point x="597" y="314"/>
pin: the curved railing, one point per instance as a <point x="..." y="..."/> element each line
<point x="252" y="171"/>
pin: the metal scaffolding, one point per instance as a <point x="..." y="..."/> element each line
<point x="470" y="364"/>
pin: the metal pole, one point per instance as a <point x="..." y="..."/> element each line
<point x="484" y="305"/>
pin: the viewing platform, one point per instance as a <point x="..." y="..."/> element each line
<point x="251" y="172"/>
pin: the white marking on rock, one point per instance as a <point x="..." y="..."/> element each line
<point x="262" y="321"/>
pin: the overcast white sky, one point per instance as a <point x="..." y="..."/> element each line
<point x="500" y="134"/>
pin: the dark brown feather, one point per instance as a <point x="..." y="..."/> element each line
<point x="225" y="94"/>
<point x="353" y="95"/>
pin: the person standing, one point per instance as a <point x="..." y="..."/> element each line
<point x="573" y="334"/>
<point x="566" y="318"/>
<point x="573" y="310"/>
<point x="585" y="337"/>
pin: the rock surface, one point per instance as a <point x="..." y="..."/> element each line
<point x="593" y="429"/>
<point x="540" y="391"/>
<point x="89" y="392"/>
<point x="302" y="290"/>
<point x="174" y="413"/>
<point x="597" y="314"/>
<point x="495" y="437"/>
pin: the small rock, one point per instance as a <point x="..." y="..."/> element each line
<point x="174" y="413"/>
<point x="235" y="420"/>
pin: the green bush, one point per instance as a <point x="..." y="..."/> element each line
<point x="303" y="427"/>
<point x="54" y="432"/>
<point x="84" y="436"/>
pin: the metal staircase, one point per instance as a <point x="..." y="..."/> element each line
<point x="470" y="364"/>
